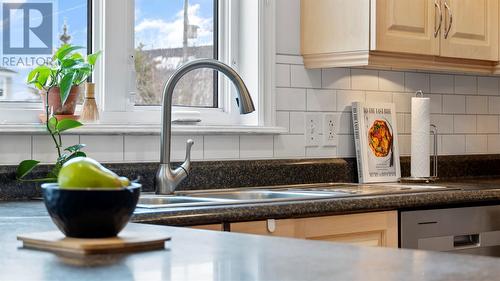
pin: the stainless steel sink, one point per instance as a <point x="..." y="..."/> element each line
<point x="278" y="193"/>
<point x="151" y="201"/>
<point x="260" y="195"/>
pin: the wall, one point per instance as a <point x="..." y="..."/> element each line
<point x="466" y="110"/>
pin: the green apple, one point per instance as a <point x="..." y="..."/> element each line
<point x="84" y="172"/>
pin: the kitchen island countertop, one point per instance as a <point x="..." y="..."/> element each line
<point x="209" y="255"/>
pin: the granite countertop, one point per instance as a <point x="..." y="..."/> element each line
<point x="470" y="192"/>
<point x="209" y="255"/>
<point x="473" y="192"/>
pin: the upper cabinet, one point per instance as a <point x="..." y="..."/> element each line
<point x="442" y="35"/>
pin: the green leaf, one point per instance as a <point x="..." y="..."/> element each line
<point x="75" y="148"/>
<point x="25" y="167"/>
<point x="53" y="123"/>
<point x="67" y="124"/>
<point x="77" y="154"/>
<point x="65" y="86"/>
<point x="91" y="59"/>
<point x="67" y="63"/>
<point x="39" y="75"/>
<point x="64" y="50"/>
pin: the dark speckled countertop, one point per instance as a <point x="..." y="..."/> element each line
<point x="469" y="193"/>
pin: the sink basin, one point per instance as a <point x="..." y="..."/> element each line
<point x="265" y="195"/>
<point x="165" y="201"/>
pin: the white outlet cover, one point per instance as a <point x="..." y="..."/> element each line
<point x="312" y="126"/>
<point x="331" y="123"/>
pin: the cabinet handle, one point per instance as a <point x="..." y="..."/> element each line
<point x="447" y="30"/>
<point x="438" y="28"/>
<point x="271" y="225"/>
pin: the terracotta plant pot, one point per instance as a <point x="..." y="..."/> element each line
<point x="55" y="101"/>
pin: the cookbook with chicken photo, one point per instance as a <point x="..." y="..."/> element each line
<point x="376" y="141"/>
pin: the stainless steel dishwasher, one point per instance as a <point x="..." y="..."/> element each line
<point x="468" y="230"/>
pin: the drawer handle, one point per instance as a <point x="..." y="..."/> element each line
<point x="271" y="225"/>
<point x="466" y="241"/>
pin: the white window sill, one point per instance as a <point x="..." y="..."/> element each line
<point x="147" y="129"/>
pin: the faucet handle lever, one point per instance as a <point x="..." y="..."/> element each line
<point x="187" y="161"/>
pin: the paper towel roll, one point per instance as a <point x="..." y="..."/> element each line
<point x="420" y="140"/>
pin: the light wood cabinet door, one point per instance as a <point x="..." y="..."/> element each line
<point x="407" y="26"/>
<point x="215" y="227"/>
<point x="473" y="29"/>
<point x="368" y="229"/>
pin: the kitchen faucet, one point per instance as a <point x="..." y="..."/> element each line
<point x="167" y="178"/>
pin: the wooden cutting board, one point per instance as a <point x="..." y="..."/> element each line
<point x="55" y="241"/>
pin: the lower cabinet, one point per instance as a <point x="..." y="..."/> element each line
<point x="369" y="229"/>
<point x="216" y="227"/>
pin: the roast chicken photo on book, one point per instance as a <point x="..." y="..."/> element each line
<point x="380" y="138"/>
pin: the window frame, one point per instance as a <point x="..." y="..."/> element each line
<point x="114" y="95"/>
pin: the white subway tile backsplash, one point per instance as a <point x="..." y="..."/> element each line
<point x="221" y="147"/>
<point x="14" y="149"/>
<point x="178" y="147"/>
<point x="304" y="78"/>
<point x="143" y="148"/>
<point x="494" y="105"/>
<point x="487" y="124"/>
<point x="465" y="85"/>
<point x="402" y="102"/>
<point x="346" y="126"/>
<point x="444" y="123"/>
<point x="290" y="99"/>
<point x="346" y="98"/>
<point x="436" y="103"/>
<point x="417" y="81"/>
<point x="453" y="104"/>
<point x="488" y="86"/>
<point x="346" y="146"/>
<point x="404" y="142"/>
<point x="442" y="84"/>
<point x="379" y="97"/>
<point x="493" y="144"/>
<point x="391" y="81"/>
<point x="336" y="78"/>
<point x="283" y="119"/>
<point x="476" y="105"/>
<point x="464" y="124"/>
<point x="282" y="75"/>
<point x="104" y="148"/>
<point x="476" y="144"/>
<point x="259" y="146"/>
<point x="321" y="151"/>
<point x="364" y="79"/>
<point x="453" y="144"/>
<point x="297" y="125"/>
<point x="287" y="146"/>
<point x="44" y="149"/>
<point x="321" y="100"/>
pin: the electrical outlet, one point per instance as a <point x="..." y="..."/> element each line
<point x="331" y="124"/>
<point x="313" y="129"/>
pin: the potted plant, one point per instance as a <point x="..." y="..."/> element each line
<point x="60" y="82"/>
<point x="59" y="86"/>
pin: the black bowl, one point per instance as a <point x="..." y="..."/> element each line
<point x="90" y="212"/>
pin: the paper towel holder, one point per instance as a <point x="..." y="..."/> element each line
<point x="434" y="177"/>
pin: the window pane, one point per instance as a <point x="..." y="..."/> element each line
<point x="164" y="40"/>
<point x="23" y="49"/>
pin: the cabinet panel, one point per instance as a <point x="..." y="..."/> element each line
<point x="473" y="29"/>
<point x="407" y="26"/>
<point x="216" y="227"/>
<point x="369" y="229"/>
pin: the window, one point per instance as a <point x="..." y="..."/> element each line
<point x="142" y="43"/>
<point x="168" y="34"/>
<point x="50" y="24"/>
